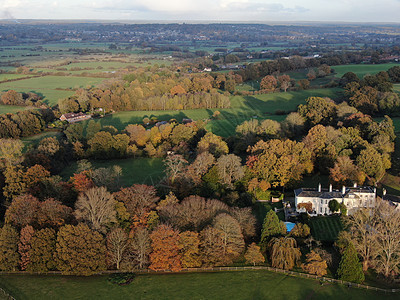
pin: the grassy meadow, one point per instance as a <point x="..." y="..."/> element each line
<point x="52" y="88"/>
<point x="252" y="284"/>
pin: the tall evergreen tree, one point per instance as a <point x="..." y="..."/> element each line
<point x="272" y="226"/>
<point x="350" y="268"/>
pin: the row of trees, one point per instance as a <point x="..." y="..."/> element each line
<point x="12" y="97"/>
<point x="163" y="90"/>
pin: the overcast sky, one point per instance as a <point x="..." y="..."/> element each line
<point x="205" y="10"/>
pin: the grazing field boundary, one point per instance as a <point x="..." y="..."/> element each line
<point x="226" y="269"/>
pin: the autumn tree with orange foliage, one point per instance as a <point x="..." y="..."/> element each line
<point x="166" y="249"/>
<point x="253" y="255"/>
<point x="82" y="181"/>
<point x="315" y="264"/>
<point x="178" y="89"/>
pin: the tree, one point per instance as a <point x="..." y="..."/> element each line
<point x="293" y="125"/>
<point x="175" y="166"/>
<point x="268" y="83"/>
<point x="304" y="84"/>
<point x="372" y="163"/>
<point x="284" y="252"/>
<point x="231" y="235"/>
<point x="139" y="199"/>
<point x="96" y="207"/>
<point x="212" y="144"/>
<point x="300" y="230"/>
<point x="253" y="255"/>
<point x="272" y="226"/>
<point x="24" y="245"/>
<point x="284" y="82"/>
<point x="80" y="250"/>
<point x="42" y="251"/>
<point x="141" y="247"/>
<point x="92" y="128"/>
<point x="22" y="211"/>
<point x="364" y="236"/>
<point x="189" y="243"/>
<point x="53" y="214"/>
<point x="230" y="169"/>
<point x="246" y="220"/>
<point x="9" y="258"/>
<point x="315" y="264"/>
<point x="82" y="181"/>
<point x="350" y="268"/>
<point x="166" y="249"/>
<point x="334" y="205"/>
<point x="318" y="110"/>
<point x="211" y="247"/>
<point x="279" y="162"/>
<point x="387" y="233"/>
<point x="345" y="172"/>
<point x="117" y="245"/>
<point x="10" y="151"/>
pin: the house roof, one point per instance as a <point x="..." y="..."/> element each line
<point x="73" y="115"/>
<point x="326" y="194"/>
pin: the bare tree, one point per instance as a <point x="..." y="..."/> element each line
<point x="363" y="235"/>
<point x="141" y="247"/>
<point x="117" y="244"/>
<point x="388" y="239"/>
<point x="96" y="206"/>
<point x="230" y="169"/>
<point x="174" y="167"/>
<point x="231" y="235"/>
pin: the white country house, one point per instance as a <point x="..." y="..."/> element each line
<point x="316" y="201"/>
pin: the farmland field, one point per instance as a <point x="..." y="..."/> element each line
<point x="134" y="170"/>
<point x="258" y="284"/>
<point x="325" y="228"/>
<point x="48" y="86"/>
<point x="362" y="69"/>
<point x="4" y="77"/>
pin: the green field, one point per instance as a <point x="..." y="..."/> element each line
<point x="5" y="109"/>
<point x="134" y="170"/>
<point x="4" y="77"/>
<point x="325" y="228"/>
<point x="47" y="86"/>
<point x="242" y="108"/>
<point x="222" y="285"/>
<point x="362" y="69"/>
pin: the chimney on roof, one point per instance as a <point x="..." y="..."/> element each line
<point x="319" y="187"/>
<point x="330" y="188"/>
<point x="355" y="184"/>
<point x="343" y="190"/>
<point x="374" y="190"/>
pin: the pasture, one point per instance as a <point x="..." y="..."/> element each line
<point x="243" y="108"/>
<point x="134" y="170"/>
<point x="325" y="228"/>
<point x="5" y="109"/>
<point x="251" y="284"/>
<point x="52" y="88"/>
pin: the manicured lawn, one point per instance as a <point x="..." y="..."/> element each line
<point x="362" y="69"/>
<point x="325" y="228"/>
<point x="134" y="170"/>
<point x="221" y="285"/>
<point x="260" y="210"/>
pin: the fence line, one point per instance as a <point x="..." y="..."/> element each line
<point x="223" y="269"/>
